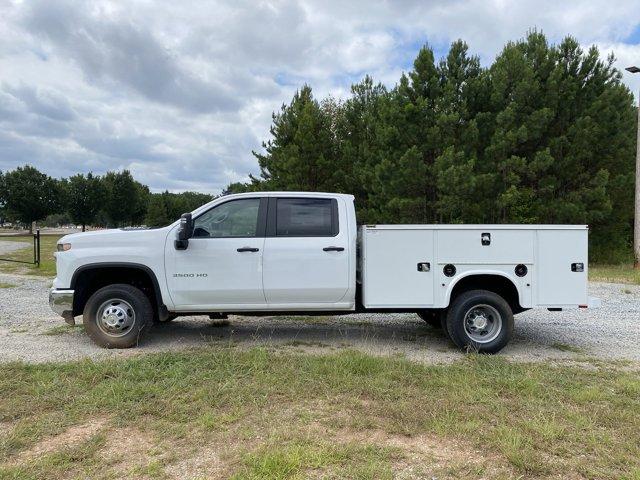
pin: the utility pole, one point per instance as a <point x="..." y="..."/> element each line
<point x="636" y="216"/>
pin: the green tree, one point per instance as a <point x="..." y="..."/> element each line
<point x="187" y="202"/>
<point x="545" y="134"/>
<point x="28" y="195"/>
<point x="157" y="211"/>
<point x="563" y="138"/>
<point x="85" y="196"/>
<point x="359" y="137"/>
<point x="165" y="208"/>
<point x="300" y="156"/>
<point x="126" y="199"/>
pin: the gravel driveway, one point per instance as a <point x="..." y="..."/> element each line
<point x="8" y="247"/>
<point x="30" y="332"/>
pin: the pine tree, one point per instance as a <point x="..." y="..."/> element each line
<point x="300" y="154"/>
<point x="545" y="134"/>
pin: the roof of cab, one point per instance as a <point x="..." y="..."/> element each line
<point x="217" y="200"/>
<point x="288" y="194"/>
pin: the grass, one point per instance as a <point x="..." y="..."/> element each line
<point x="221" y="412"/>
<point x="62" y="329"/>
<point x="7" y="285"/>
<point x="564" y="347"/>
<point x="624" y="273"/>
<point x="308" y="319"/>
<point x="47" y="266"/>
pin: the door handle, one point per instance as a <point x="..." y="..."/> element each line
<point x="333" y="249"/>
<point x="247" y="249"/>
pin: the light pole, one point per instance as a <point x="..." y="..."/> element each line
<point x="636" y="217"/>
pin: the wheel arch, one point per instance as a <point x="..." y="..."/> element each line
<point x="493" y="280"/>
<point x="88" y="278"/>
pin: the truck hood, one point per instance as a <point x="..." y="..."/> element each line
<point x="114" y="237"/>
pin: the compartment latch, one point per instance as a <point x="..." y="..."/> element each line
<point x="424" y="267"/>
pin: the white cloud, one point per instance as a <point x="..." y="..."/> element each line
<point x="181" y="92"/>
<point x="626" y="56"/>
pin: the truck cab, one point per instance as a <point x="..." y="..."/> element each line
<point x="266" y="252"/>
<point x="279" y="252"/>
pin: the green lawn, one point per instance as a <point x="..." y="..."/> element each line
<point x="47" y="266"/>
<point x="221" y="412"/>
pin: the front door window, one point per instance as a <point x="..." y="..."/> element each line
<point x="237" y="218"/>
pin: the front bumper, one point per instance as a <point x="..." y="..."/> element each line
<point x="61" y="302"/>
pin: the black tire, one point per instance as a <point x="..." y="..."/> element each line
<point x="124" y="306"/>
<point x="443" y="322"/>
<point x="432" y="317"/>
<point x="491" y="310"/>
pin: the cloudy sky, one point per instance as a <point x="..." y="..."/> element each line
<point x="180" y="92"/>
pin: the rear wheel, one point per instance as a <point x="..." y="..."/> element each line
<point x="117" y="315"/>
<point x="481" y="321"/>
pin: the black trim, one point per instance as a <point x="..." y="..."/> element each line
<point x="272" y="218"/>
<point x="262" y="218"/>
<point x="335" y="222"/>
<point x="162" y="308"/>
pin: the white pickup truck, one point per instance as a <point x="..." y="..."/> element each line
<point x="283" y="252"/>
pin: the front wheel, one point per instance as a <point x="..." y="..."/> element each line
<point x="117" y="315"/>
<point x="481" y="321"/>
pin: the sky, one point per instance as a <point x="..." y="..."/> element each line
<point x="181" y="92"/>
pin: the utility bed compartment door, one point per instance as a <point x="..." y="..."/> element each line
<point x="392" y="277"/>
<point x="558" y="283"/>
<point x="460" y="246"/>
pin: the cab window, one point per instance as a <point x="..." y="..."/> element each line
<point x="237" y="218"/>
<point x="306" y="217"/>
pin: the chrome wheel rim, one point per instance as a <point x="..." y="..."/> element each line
<point x="482" y="323"/>
<point x="115" y="317"/>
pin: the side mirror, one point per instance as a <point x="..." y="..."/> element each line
<point x="185" y="232"/>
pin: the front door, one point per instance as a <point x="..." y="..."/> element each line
<point x="306" y="252"/>
<point x="222" y="266"/>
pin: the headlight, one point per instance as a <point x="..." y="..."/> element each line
<point x="63" y="247"/>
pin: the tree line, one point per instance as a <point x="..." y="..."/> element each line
<point x="115" y="199"/>
<point x="545" y="134"/>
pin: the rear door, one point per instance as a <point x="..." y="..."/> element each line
<point x="306" y="251"/>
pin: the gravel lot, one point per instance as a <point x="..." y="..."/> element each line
<point x="30" y="332"/>
<point x="8" y="247"/>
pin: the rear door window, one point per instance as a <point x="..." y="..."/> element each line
<point x="306" y="217"/>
